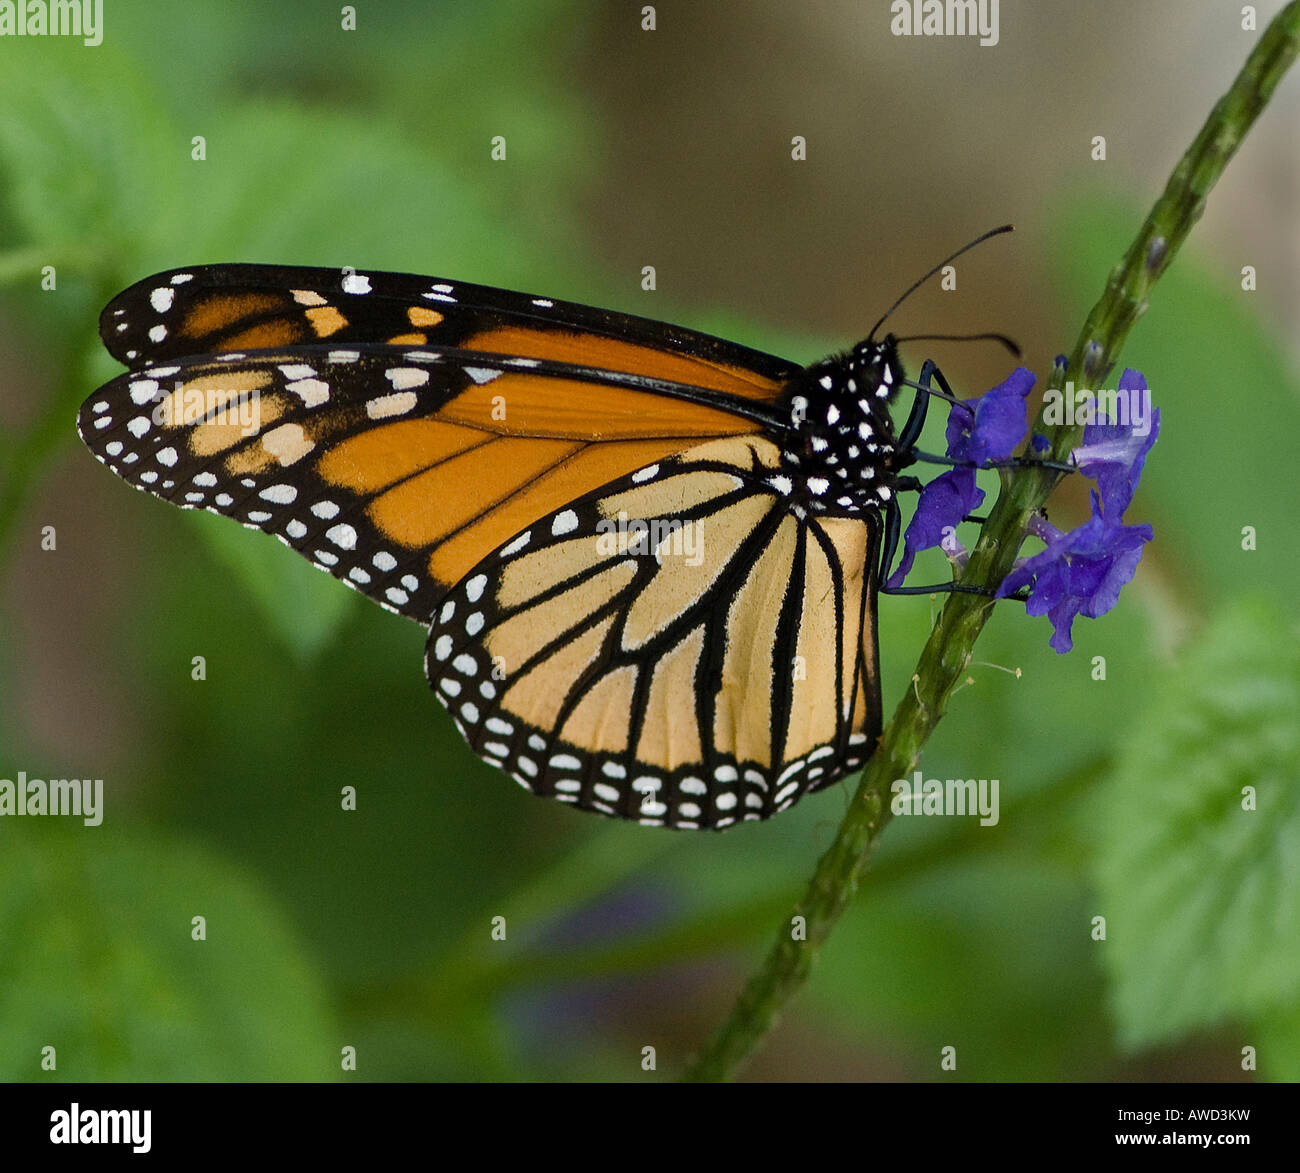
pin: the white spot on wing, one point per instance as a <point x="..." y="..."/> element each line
<point x="312" y="392"/>
<point x="404" y="377"/>
<point x="343" y="536"/>
<point x="518" y="544"/>
<point x="390" y="405"/>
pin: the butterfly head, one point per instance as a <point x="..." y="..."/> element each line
<point x="875" y="364"/>
<point x="840" y="411"/>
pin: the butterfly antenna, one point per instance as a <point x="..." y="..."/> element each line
<point x="946" y="261"/>
<point x="1002" y="339"/>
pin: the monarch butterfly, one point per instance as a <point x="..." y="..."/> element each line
<point x="647" y="558"/>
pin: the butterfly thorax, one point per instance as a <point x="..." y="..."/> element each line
<point x="842" y="458"/>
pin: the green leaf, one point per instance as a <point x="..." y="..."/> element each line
<point x="283" y="184"/>
<point x="1276" y="1039"/>
<point x="85" y="150"/>
<point x="99" y="963"/>
<point x="301" y="604"/>
<point x="1201" y="896"/>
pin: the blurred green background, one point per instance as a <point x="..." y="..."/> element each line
<point x="326" y="928"/>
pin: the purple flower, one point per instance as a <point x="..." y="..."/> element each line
<point x="943" y="503"/>
<point x="1113" y="453"/>
<point x="1080" y="572"/>
<point x="979" y="430"/>
<point x="990" y="427"/>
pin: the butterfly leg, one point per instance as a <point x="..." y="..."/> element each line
<point x="889" y="547"/>
<point x="1009" y="462"/>
<point x="920" y="406"/>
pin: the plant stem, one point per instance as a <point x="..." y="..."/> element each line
<point x="950" y="647"/>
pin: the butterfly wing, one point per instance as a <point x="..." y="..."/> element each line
<point x="459" y="453"/>
<point x="707" y="671"/>
<point x="394" y="469"/>
<point x="214" y="309"/>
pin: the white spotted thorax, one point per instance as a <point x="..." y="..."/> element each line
<point x="843" y="460"/>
